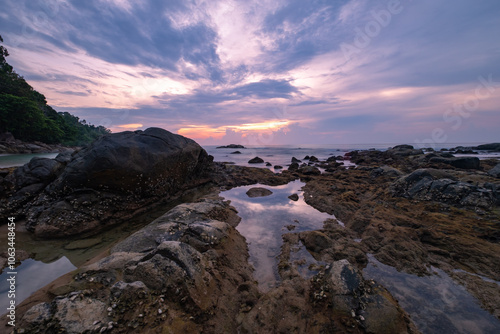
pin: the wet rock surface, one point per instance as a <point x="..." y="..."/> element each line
<point x="188" y="270"/>
<point x="177" y="274"/>
<point x="432" y="215"/>
<point x="435" y="185"/>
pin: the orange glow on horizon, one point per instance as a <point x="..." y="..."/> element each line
<point x="130" y="126"/>
<point x="126" y="127"/>
<point x="205" y="131"/>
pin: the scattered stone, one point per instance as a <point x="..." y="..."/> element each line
<point x="295" y="160"/>
<point x="278" y="167"/>
<point x="235" y="152"/>
<point x="232" y="146"/>
<point x="294" y="197"/>
<point x="268" y="164"/>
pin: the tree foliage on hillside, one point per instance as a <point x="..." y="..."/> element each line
<point x="24" y="112"/>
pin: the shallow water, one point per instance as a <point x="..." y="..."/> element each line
<point x="435" y="303"/>
<point x="264" y="220"/>
<point x="15" y="160"/>
<point x="32" y="275"/>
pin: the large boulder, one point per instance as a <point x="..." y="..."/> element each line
<point x="494" y="147"/>
<point x="179" y="261"/>
<point x="106" y="182"/>
<point x="150" y="162"/>
<point x="439" y="186"/>
<point x="404" y="150"/>
<point x="255" y="160"/>
<point x="458" y="162"/>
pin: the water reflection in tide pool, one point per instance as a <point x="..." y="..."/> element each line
<point x="265" y="219"/>
<point x="31" y="275"/>
<point x="435" y="303"/>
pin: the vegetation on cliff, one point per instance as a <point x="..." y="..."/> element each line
<point x="25" y="113"/>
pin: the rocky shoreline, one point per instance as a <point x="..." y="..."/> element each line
<point x="10" y="145"/>
<point x="188" y="270"/>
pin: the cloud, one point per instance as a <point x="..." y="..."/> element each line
<point x="218" y="65"/>
<point x="68" y="92"/>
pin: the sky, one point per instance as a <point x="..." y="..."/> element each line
<point x="267" y="72"/>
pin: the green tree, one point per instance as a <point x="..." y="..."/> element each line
<point x="25" y="113"/>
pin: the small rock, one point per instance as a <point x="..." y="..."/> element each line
<point x="495" y="171"/>
<point x="232" y="146"/>
<point x="258" y="192"/>
<point x="255" y="160"/>
<point x="294" y="197"/>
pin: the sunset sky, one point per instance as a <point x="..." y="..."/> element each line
<point x="267" y="72"/>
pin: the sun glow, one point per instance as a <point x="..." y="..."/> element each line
<point x="205" y="131"/>
<point x="126" y="127"/>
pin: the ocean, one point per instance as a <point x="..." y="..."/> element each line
<point x="276" y="155"/>
<point x="282" y="155"/>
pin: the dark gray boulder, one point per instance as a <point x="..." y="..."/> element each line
<point x="107" y="182"/>
<point x="439" y="186"/>
<point x="37" y="171"/>
<point x="458" y="162"/>
<point x="494" y="147"/>
<point x="150" y="162"/>
<point x="293" y="166"/>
